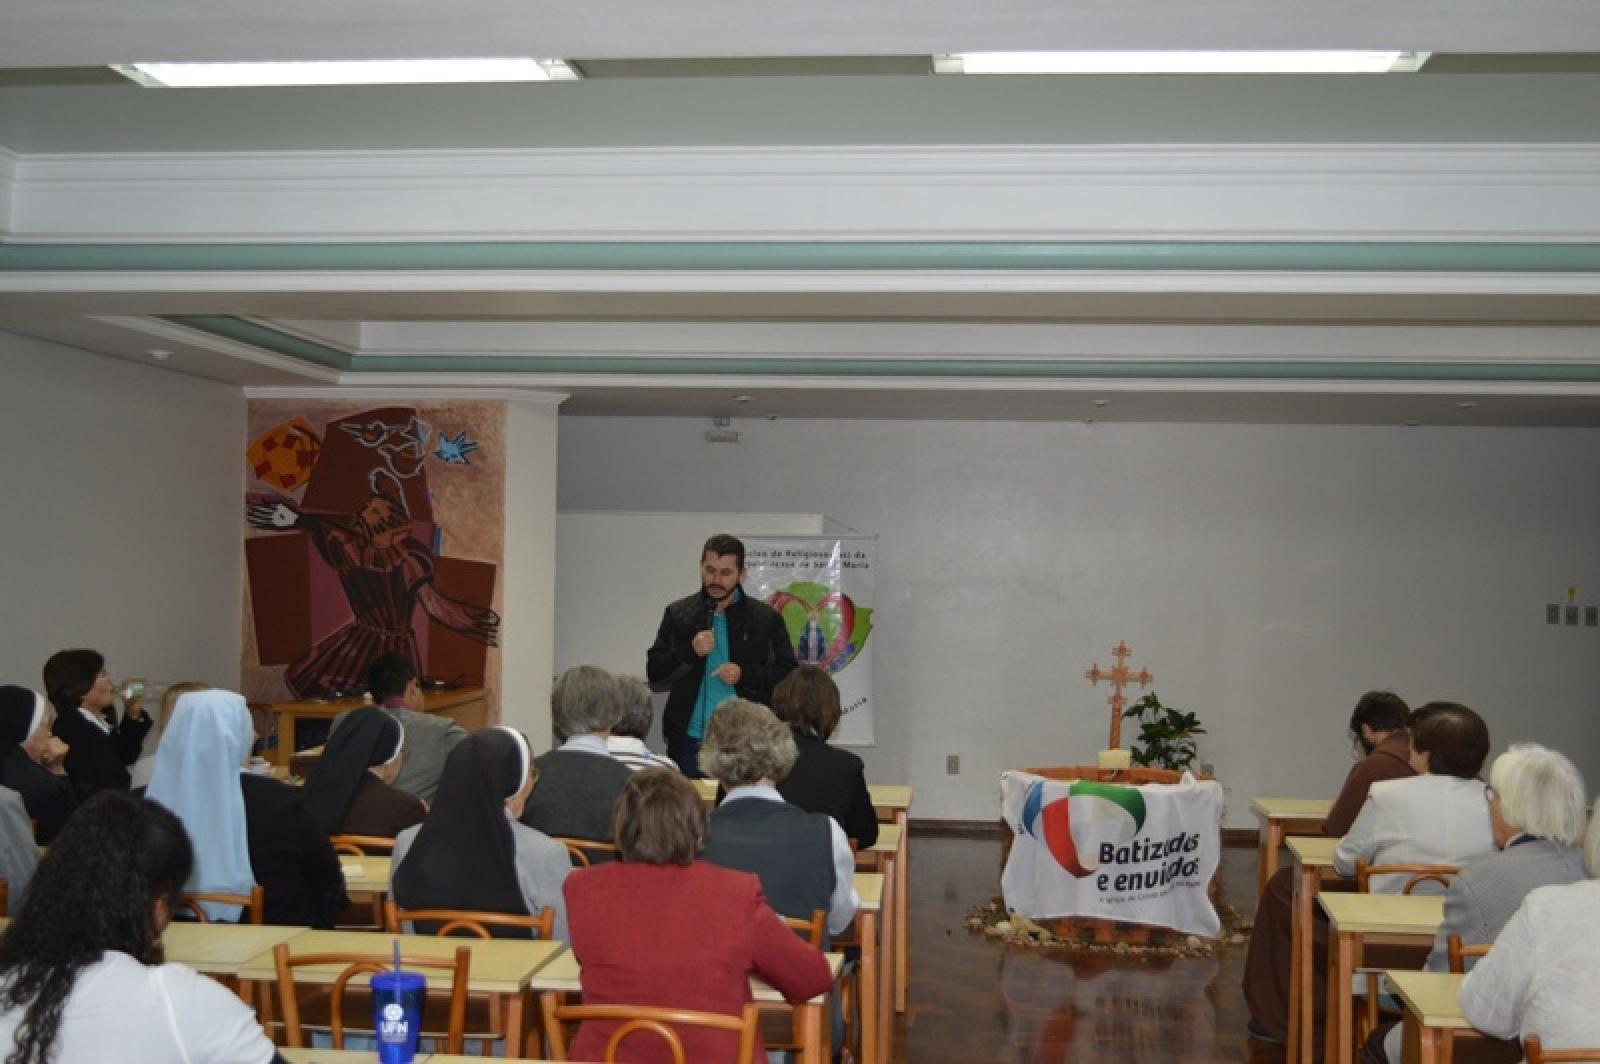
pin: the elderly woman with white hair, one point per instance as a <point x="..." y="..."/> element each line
<point x="803" y="859"/>
<point x="579" y="780"/>
<point x="1542" y="977"/>
<point x="1536" y="811"/>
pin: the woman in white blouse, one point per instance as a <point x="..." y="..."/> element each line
<point x="1542" y="975"/>
<point x="1440" y="817"/>
<point x="82" y="978"/>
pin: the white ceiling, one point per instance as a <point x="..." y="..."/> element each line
<point x="992" y="318"/>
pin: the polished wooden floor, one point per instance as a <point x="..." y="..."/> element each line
<point x="972" y="999"/>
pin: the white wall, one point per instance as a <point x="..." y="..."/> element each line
<point x="1267" y="575"/>
<point x="527" y="635"/>
<point x="122" y="487"/>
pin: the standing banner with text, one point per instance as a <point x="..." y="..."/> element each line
<point x="822" y="585"/>
<point x="1144" y="855"/>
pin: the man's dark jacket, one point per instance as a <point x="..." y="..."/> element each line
<point x="758" y="643"/>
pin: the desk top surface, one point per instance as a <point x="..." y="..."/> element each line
<point x="365" y="873"/>
<point x="1433" y="997"/>
<point x="499" y="965"/>
<point x="869" y="888"/>
<point x="1313" y="850"/>
<point x="1398" y="914"/>
<point x="1292" y="808"/>
<point x="889" y="796"/>
<point x="563" y="973"/>
<point x="222" y="949"/>
<point x="888" y="840"/>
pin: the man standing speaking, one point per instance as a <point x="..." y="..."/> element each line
<point x="712" y="646"/>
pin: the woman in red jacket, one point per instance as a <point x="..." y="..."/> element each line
<point x="660" y="928"/>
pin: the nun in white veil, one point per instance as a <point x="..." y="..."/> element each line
<point x="196" y="776"/>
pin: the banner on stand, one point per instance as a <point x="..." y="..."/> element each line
<point x="822" y="585"/>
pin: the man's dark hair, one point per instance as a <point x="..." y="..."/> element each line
<point x="723" y="545"/>
<point x="69" y="675"/>
<point x="1380" y="711"/>
<point x="1455" y="739"/>
<point x="389" y="676"/>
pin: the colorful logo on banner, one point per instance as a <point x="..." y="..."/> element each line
<point x="1075" y="826"/>
<point x="826" y="626"/>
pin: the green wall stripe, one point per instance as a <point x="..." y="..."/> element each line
<point x="1018" y="369"/>
<point x="1254" y="256"/>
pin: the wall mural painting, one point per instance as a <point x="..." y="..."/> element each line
<point x="345" y="559"/>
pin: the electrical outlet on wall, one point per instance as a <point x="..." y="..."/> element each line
<point x="1572" y="615"/>
<point x="1552" y="613"/>
<point x="1591" y="616"/>
<point x="952" y="765"/>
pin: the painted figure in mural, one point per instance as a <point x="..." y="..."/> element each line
<point x="386" y="574"/>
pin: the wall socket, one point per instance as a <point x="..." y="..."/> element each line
<point x="952" y="765"/>
<point x="1591" y="616"/>
<point x="1552" y="613"/>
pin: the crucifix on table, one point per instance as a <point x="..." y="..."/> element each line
<point x="1118" y="676"/>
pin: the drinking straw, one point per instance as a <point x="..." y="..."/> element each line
<point x="397" y="954"/>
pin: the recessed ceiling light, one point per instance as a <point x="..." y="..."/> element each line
<point x="346" y="72"/>
<point x="159" y="354"/>
<point x="1412" y="424"/>
<point x="1467" y="404"/>
<point x="1260" y="62"/>
<point x="744" y="398"/>
<point x="1100" y="402"/>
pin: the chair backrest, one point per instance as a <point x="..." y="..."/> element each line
<point x="1458" y="953"/>
<point x="356" y="964"/>
<point x="636" y="1019"/>
<point x="1419" y="873"/>
<point x="1537" y="1054"/>
<point x="254" y="903"/>
<point x="361" y="845"/>
<point x="468" y="922"/>
<point x="813" y="929"/>
<point x="583" y="850"/>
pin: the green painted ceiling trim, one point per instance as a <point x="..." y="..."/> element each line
<point x="268" y="339"/>
<point x="825" y="368"/>
<point x="1254" y="256"/>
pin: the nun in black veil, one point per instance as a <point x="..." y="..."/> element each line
<point x="472" y="852"/>
<point x="351" y="788"/>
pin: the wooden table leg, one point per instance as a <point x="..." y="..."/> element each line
<point x="1301" y="951"/>
<point x="867" y="983"/>
<point x="1344" y="956"/>
<point x="811" y="1043"/>
<point x="516" y="1012"/>
<point x="1268" y="839"/>
<point x="885" y="993"/>
<point x="901" y="952"/>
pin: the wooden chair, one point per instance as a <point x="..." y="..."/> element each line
<point x="582" y="850"/>
<point x="361" y="845"/>
<point x="356" y="964"/>
<point x="1458" y="953"/>
<point x="468" y="922"/>
<point x="634" y="1019"/>
<point x="1367" y="1018"/>
<point x="254" y="903"/>
<point x="1538" y="1054"/>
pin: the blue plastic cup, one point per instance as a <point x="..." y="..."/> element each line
<point x="397" y="1014"/>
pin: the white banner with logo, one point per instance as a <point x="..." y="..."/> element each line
<point x="1144" y="854"/>
<point x="822" y="585"/>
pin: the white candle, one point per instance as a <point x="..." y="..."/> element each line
<point x="1115" y="759"/>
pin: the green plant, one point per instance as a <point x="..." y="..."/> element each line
<point x="1167" y="734"/>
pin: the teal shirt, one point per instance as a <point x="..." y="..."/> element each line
<point x="713" y="692"/>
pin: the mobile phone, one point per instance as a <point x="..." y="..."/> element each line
<point x="134" y="689"/>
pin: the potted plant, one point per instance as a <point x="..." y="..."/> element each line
<point x="1166" y="734"/>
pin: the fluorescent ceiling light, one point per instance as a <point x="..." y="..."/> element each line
<point x="347" y="72"/>
<point x="1325" y="62"/>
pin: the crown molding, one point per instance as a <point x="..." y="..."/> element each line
<point x="421" y="388"/>
<point x="1490" y="192"/>
<point x="9" y="161"/>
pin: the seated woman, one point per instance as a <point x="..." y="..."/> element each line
<point x="99" y="746"/>
<point x="626" y="742"/>
<point x="708" y="929"/>
<point x="1542" y="976"/>
<point x="1536" y="812"/>
<point x="1440" y="816"/>
<point x="471" y="852"/>
<point x="31" y="761"/>
<point x="802" y="859"/>
<point x="579" y="780"/>
<point x="351" y="788"/>
<point x="825" y="779"/>
<point x="81" y="974"/>
<point x="19" y="854"/>
<point x="1378" y="729"/>
<point x="139" y="771"/>
<point x="247" y="829"/>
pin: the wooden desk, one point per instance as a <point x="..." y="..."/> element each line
<point x="465" y="705"/>
<point x="365" y="875"/>
<point x="1313" y="862"/>
<point x="221" y="950"/>
<point x="1355" y="920"/>
<point x="707" y="790"/>
<point x="1433" y="1013"/>
<point x="876" y="1017"/>
<point x="893" y="805"/>
<point x="563" y="976"/>
<point x="502" y="968"/>
<point x="1280" y="818"/>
